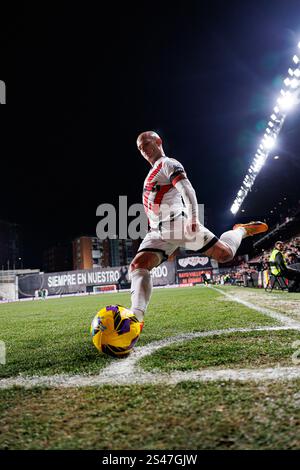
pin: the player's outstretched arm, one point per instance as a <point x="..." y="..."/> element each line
<point x="188" y="194"/>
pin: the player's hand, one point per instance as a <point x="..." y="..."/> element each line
<point x="192" y="227"/>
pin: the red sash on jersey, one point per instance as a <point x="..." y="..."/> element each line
<point x="149" y="188"/>
<point x="152" y="186"/>
<point x="160" y="190"/>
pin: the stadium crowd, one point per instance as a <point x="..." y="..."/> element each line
<point x="245" y="273"/>
<point x="291" y="252"/>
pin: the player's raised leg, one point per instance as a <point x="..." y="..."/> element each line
<point x="141" y="282"/>
<point x="226" y="247"/>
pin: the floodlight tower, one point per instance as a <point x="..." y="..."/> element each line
<point x="288" y="99"/>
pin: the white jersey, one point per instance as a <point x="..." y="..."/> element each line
<point x="162" y="201"/>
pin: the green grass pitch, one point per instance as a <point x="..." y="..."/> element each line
<point x="52" y="337"/>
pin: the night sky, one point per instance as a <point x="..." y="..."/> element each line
<point x="83" y="82"/>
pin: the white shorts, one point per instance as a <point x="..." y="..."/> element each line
<point x="168" y="238"/>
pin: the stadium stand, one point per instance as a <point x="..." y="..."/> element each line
<point x="253" y="270"/>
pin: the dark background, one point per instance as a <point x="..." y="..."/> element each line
<point x="84" y="80"/>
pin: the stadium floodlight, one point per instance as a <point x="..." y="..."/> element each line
<point x="287" y="99"/>
<point x="294" y="83"/>
<point x="234" y="208"/>
<point x="258" y="167"/>
<point x="269" y="142"/>
<point x="259" y="160"/>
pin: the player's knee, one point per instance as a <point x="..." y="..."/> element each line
<point x="144" y="260"/>
<point x="225" y="255"/>
<point x="138" y="264"/>
<point x="221" y="253"/>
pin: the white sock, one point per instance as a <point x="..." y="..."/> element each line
<point x="141" y="289"/>
<point x="233" y="238"/>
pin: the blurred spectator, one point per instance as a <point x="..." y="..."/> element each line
<point x="204" y="279"/>
<point x="250" y="279"/>
<point x="292" y="258"/>
<point x="123" y="282"/>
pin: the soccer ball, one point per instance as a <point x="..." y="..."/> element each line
<point x="115" y="330"/>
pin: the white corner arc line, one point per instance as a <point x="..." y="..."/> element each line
<point x="270" y="313"/>
<point x="127" y="372"/>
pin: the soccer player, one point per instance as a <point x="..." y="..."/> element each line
<point x="171" y="206"/>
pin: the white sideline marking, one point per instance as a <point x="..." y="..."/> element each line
<point x="240" y="375"/>
<point x="270" y="313"/>
<point x="127" y="372"/>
